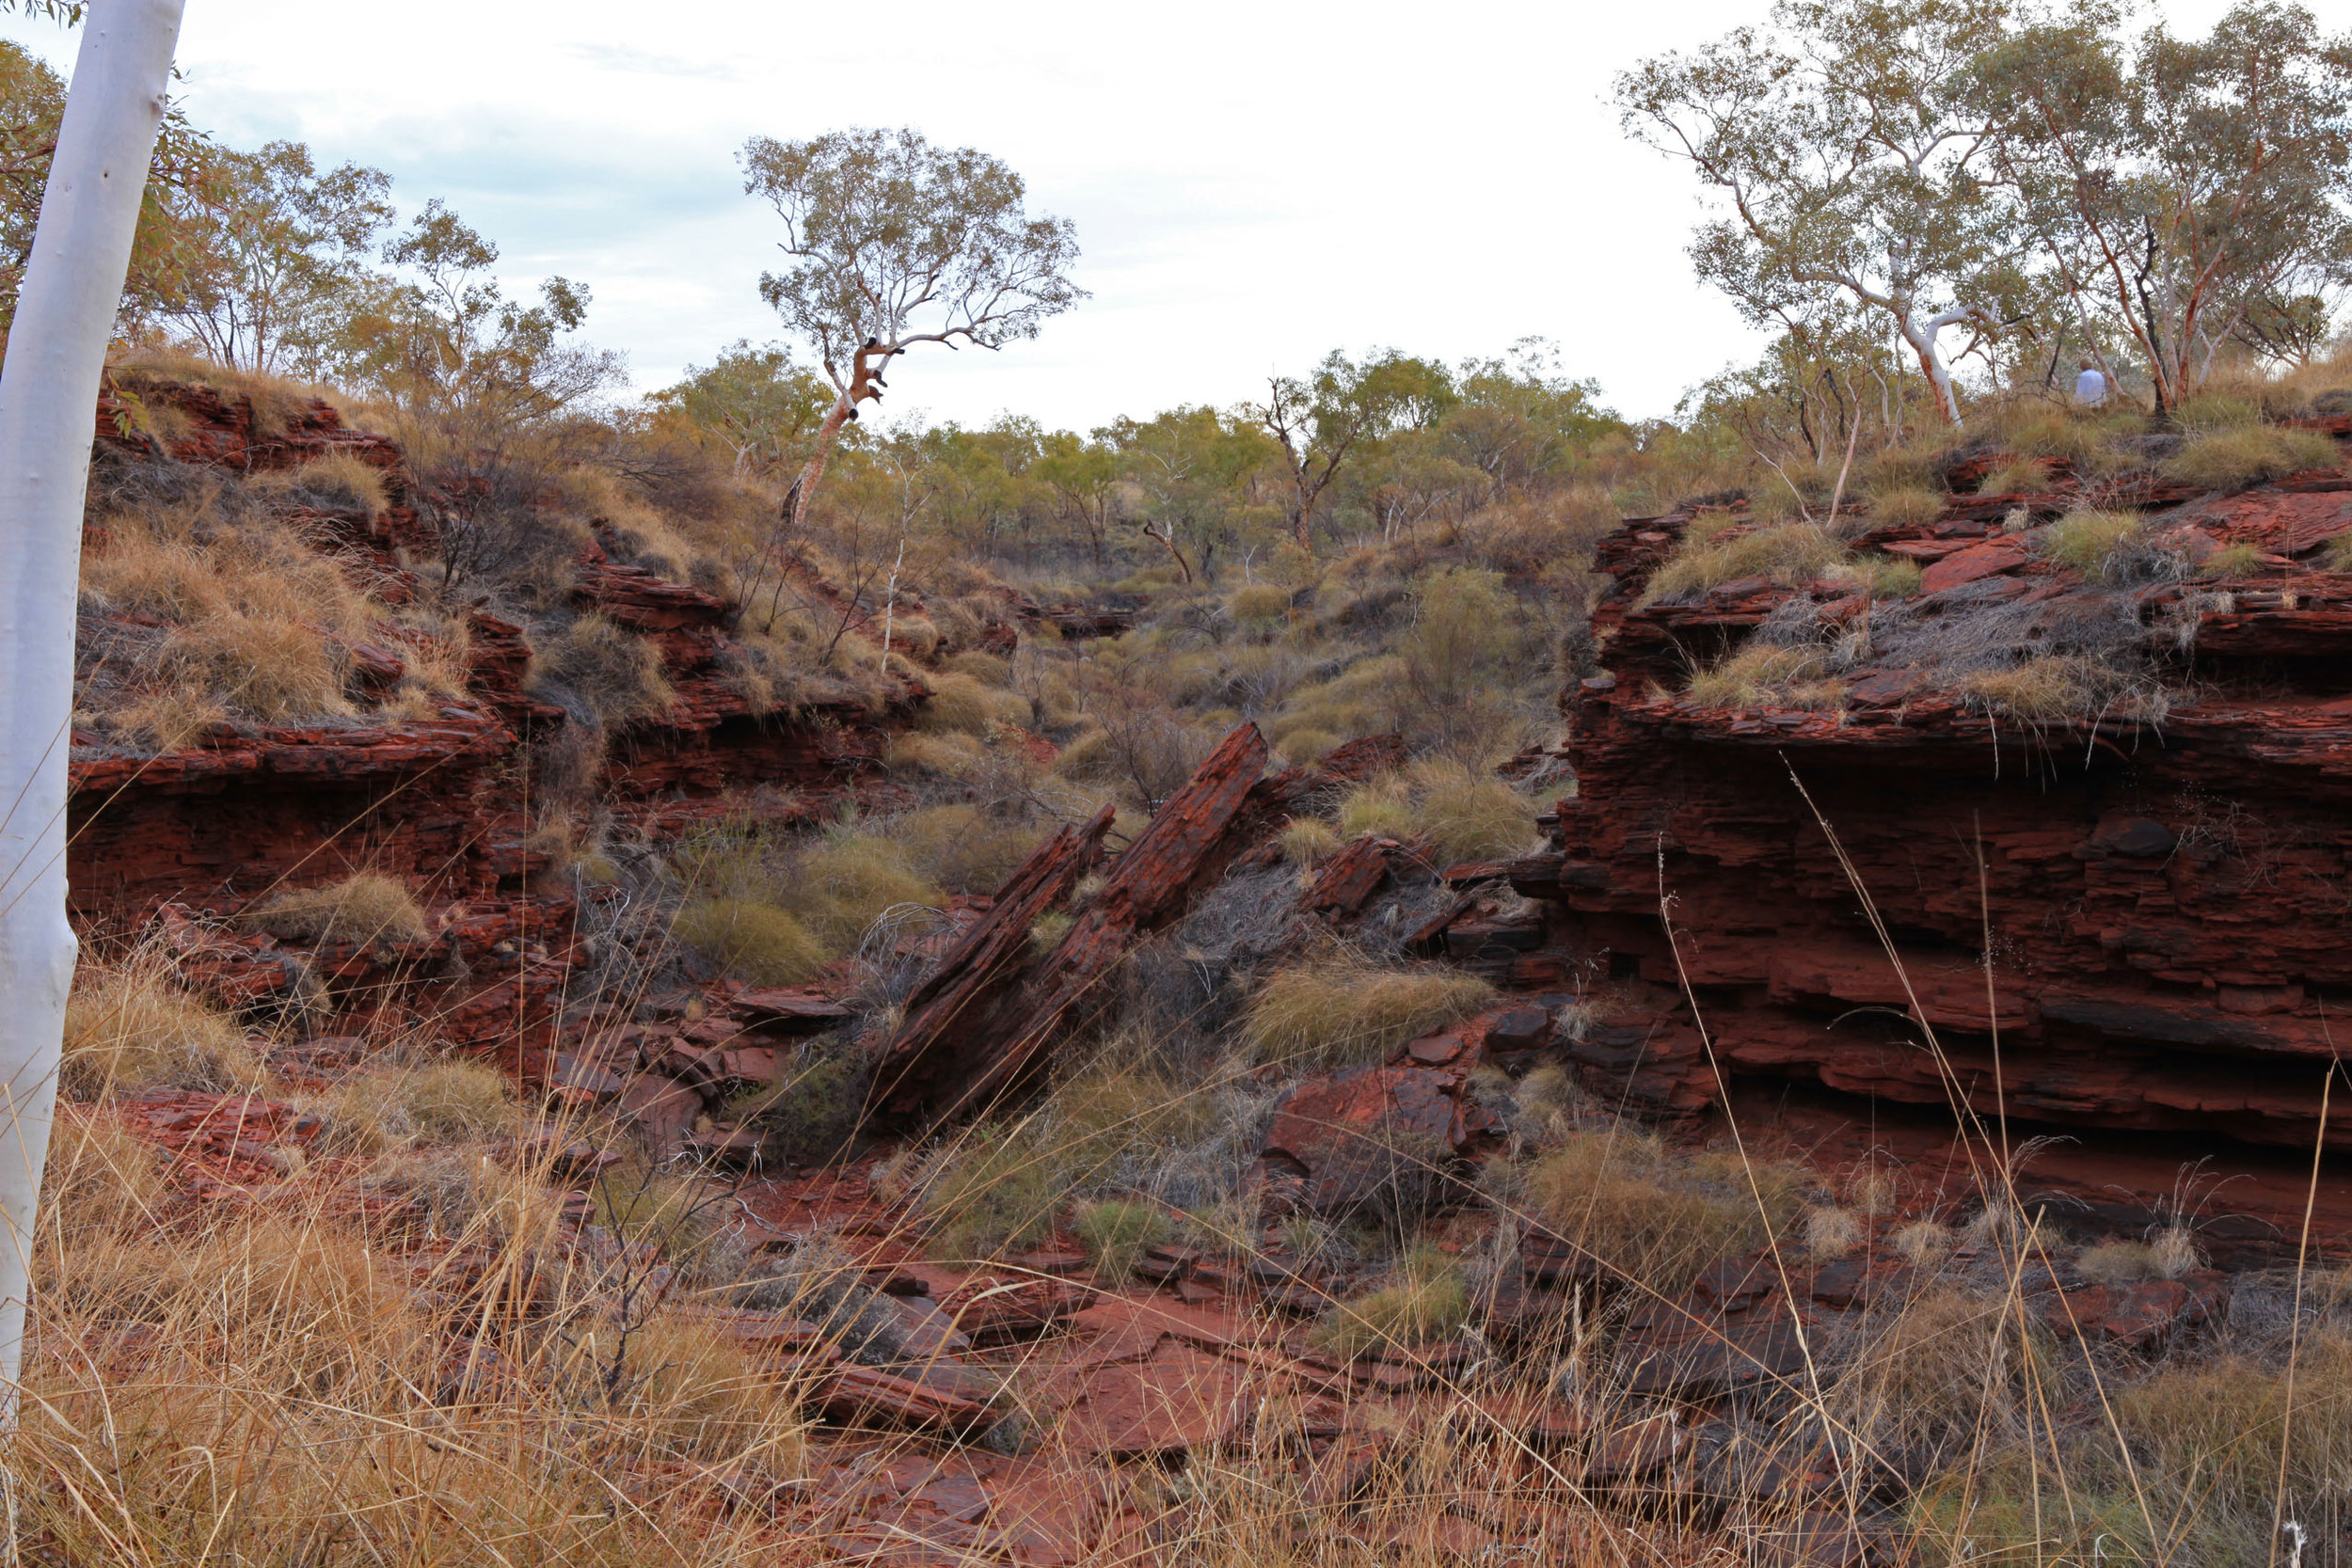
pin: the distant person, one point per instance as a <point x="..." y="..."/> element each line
<point x="2090" y="387"/>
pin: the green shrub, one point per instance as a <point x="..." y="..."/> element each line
<point x="1425" y="1301"/>
<point x="750" y="941"/>
<point x="1790" y="554"/>
<point x="1116" y="1235"/>
<point x="2234" y="459"/>
<point x="1338" y="1009"/>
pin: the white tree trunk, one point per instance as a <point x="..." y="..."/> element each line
<point x="1923" y="337"/>
<point x="57" y="351"/>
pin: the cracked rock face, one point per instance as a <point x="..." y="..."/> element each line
<point x="2127" y="930"/>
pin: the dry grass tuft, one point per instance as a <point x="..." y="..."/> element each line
<point x="337" y="483"/>
<point x="1309" y="841"/>
<point x="1117" y="1233"/>
<point x="1462" y="812"/>
<point x="1425" y="1301"/>
<point x="750" y="941"/>
<point x="1763" y="675"/>
<point x="2064" y="688"/>
<point x="365" y="907"/>
<point x="1340" y="1009"/>
<point x="1655" y="1216"/>
<point x="1790" y="554"/>
<point x="961" y="704"/>
<point x="2231" y="459"/>
<point x="129" y="1026"/>
<point x="1906" y="506"/>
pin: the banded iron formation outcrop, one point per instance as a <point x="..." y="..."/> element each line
<point x="1874" y="919"/>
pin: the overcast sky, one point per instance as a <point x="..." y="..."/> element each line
<point x="1253" y="183"/>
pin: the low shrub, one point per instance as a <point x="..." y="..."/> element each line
<point x="750" y="941"/>
<point x="1338" y="1009"/>
<point x="2231" y="459"/>
<point x="1426" y="1301"/>
<point x="368" y="905"/>
<point x="1653" y="1215"/>
<point x="1117" y="1233"/>
<point x="1790" y="554"/>
<point x="616" y="672"/>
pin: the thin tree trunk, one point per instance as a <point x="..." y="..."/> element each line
<point x="1932" y="366"/>
<point x="57" y="352"/>
<point x="814" y="468"/>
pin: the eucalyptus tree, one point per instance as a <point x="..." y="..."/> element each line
<point x="280" y="250"/>
<point x="895" y="243"/>
<point x="2183" y="191"/>
<point x="756" y="403"/>
<point x="57" y="352"/>
<point x="1320" y="421"/>
<point x="1849" y="157"/>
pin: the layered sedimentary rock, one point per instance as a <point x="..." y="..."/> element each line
<point x="1898" y="910"/>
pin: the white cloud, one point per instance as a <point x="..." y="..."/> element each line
<point x="1253" y="183"/>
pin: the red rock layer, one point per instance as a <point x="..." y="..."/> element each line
<point x="2132" y="934"/>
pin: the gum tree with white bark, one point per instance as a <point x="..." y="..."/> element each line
<point x="895" y="243"/>
<point x="1848" y="157"/>
<point x="57" y="352"/>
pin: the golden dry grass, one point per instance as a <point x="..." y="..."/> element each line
<point x="2232" y="458"/>
<point x="367" y="905"/>
<point x="1340" y="1009"/>
<point x="130" y="1026"/>
<point x="1788" y="554"/>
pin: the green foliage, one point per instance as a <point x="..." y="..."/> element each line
<point x="2231" y="459"/>
<point x="753" y="403"/>
<point x="1424" y="1303"/>
<point x="1116" y="1234"/>
<point x="750" y="941"/>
